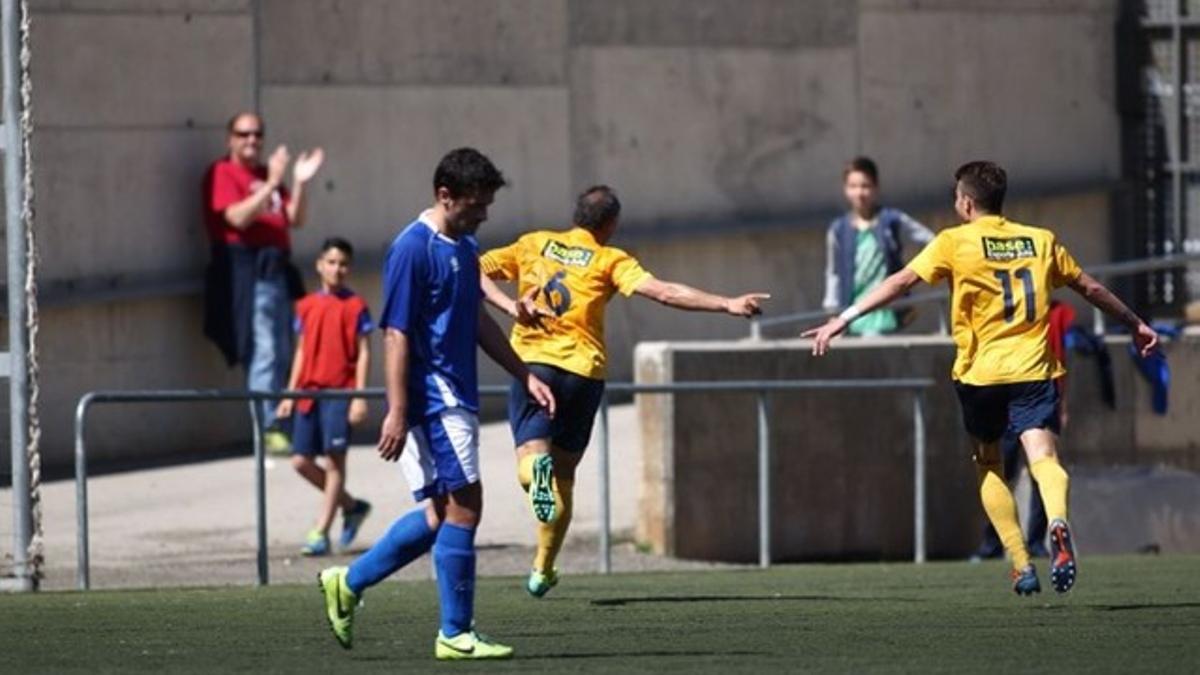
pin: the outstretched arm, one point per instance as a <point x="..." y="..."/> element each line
<point x="681" y="296"/>
<point x="891" y="288"/>
<point x="1094" y="292"/>
<point x="496" y="346"/>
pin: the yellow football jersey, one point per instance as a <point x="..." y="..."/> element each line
<point x="1001" y="274"/>
<point x="575" y="276"/>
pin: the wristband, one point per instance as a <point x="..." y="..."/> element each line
<point x="850" y="314"/>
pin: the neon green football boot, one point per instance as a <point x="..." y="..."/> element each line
<point x="340" y="603"/>
<point x="539" y="582"/>
<point x="469" y="645"/>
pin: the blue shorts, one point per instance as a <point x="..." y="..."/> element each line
<point x="988" y="411"/>
<point x="441" y="453"/>
<point x="576" y="399"/>
<point x="323" y="430"/>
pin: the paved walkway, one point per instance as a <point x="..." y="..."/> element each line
<point x="194" y="524"/>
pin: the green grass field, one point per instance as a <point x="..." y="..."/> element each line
<point x="1127" y="614"/>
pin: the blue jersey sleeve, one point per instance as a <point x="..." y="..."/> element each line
<point x="365" y="324"/>
<point x="402" y="281"/>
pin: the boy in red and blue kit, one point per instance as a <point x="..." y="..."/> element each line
<point x="332" y="352"/>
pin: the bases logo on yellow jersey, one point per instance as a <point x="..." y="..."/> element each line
<point x="567" y="255"/>
<point x="1008" y="248"/>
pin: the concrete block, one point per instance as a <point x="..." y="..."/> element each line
<point x="1130" y="509"/>
<point x="455" y="42"/>
<point x="713" y="23"/>
<point x="141" y="6"/>
<point x="938" y="88"/>
<point x="1176" y="433"/>
<point x="1010" y="6"/>
<point x="711" y="133"/>
<point x="382" y="146"/>
<point x="842" y="462"/>
<point x="140" y="345"/>
<point x="112" y="203"/>
<point x="143" y="70"/>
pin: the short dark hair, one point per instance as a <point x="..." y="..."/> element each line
<point x="338" y="243"/>
<point x="262" y="126"/>
<point x="985" y="183"/>
<point x="596" y="207"/>
<point x="863" y="165"/>
<point x="466" y="171"/>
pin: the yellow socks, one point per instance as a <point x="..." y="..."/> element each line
<point x="525" y="471"/>
<point x="1000" y="506"/>
<point x="551" y="536"/>
<point x="1053" y="484"/>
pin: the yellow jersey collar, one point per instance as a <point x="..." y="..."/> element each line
<point x="992" y="220"/>
<point x="586" y="235"/>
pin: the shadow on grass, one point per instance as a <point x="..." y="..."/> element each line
<point x="621" y="602"/>
<point x="1148" y="605"/>
<point x="628" y="654"/>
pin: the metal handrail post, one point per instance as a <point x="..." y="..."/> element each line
<point x="605" y="496"/>
<point x="764" y="483"/>
<point x="82" y="576"/>
<point x="918" y="476"/>
<point x="260" y="494"/>
<point x="1097" y="321"/>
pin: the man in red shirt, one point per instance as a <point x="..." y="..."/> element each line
<point x="247" y="213"/>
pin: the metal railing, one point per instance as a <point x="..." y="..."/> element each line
<point x="1107" y="271"/>
<point x="759" y="387"/>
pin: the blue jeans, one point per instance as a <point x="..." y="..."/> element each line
<point x="272" y="360"/>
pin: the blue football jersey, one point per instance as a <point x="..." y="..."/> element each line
<point x="431" y="293"/>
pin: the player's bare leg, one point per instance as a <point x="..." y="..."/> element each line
<point x="1054" y="485"/>
<point x="1001" y="509"/>
<point x="334" y="495"/>
<point x="310" y="471"/>
<point x="316" y="543"/>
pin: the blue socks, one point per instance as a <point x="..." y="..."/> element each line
<point x="454" y="558"/>
<point x="453" y="555"/>
<point x="406" y="540"/>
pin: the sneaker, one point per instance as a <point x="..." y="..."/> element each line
<point x="469" y="645"/>
<point x="541" y="491"/>
<point x="539" y="583"/>
<point x="316" y="544"/>
<point x="1025" y="581"/>
<point x="340" y="603"/>
<point x="275" y="442"/>
<point x="1062" y="556"/>
<point x="352" y="520"/>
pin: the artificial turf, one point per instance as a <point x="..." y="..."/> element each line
<point x="1127" y="614"/>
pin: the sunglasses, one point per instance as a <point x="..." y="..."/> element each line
<point x="256" y="133"/>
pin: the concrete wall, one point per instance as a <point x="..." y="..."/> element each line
<point x="842" y="468"/>
<point x="723" y="123"/>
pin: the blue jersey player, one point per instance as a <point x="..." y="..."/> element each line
<point x="433" y="319"/>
